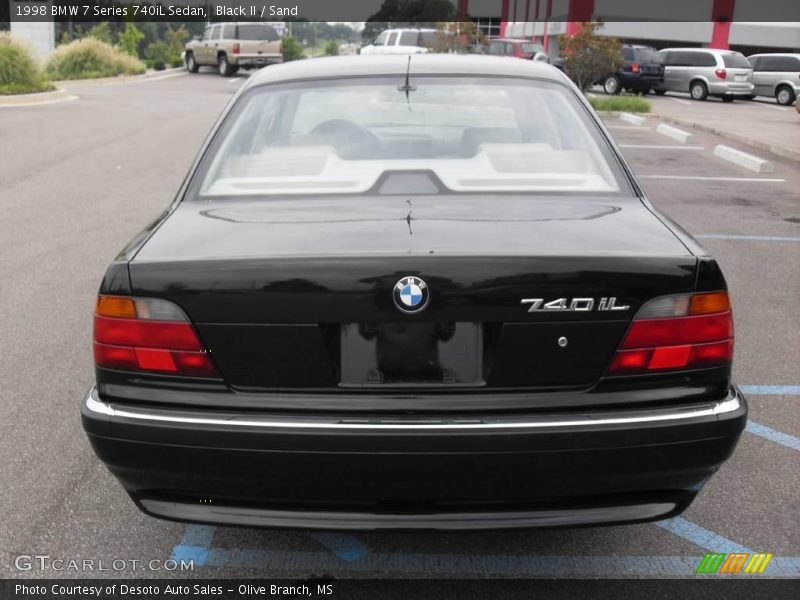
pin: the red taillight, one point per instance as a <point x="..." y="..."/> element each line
<point x="686" y="331"/>
<point x="148" y="334"/>
<point x="721" y="73"/>
<point x="236" y="48"/>
<point x="635" y="67"/>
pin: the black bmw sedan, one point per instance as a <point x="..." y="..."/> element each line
<point x="418" y="292"/>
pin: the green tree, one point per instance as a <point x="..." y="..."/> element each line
<point x="587" y="56"/>
<point x="102" y="32"/>
<point x="176" y="39"/>
<point x="330" y="48"/>
<point x="129" y="39"/>
<point x="416" y="13"/>
<point x="292" y="49"/>
<point x="157" y="55"/>
<point x="457" y="36"/>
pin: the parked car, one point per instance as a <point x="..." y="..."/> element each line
<point x="704" y="72"/>
<point x="401" y="41"/>
<point x="422" y="293"/>
<point x="231" y="46"/>
<point x="641" y="71"/>
<point x="513" y="47"/>
<point x="777" y="76"/>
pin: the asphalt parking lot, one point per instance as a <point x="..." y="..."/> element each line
<point x="79" y="179"/>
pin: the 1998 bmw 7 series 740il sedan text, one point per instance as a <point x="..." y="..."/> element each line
<point x="418" y="292"/>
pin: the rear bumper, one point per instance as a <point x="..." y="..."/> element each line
<point x="255" y="61"/>
<point x="438" y="473"/>
<point x="731" y="88"/>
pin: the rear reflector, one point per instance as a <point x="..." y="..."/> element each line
<point x="148" y="334"/>
<point x="686" y="331"/>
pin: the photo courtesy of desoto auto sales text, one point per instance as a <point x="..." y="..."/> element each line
<point x="399" y="299"/>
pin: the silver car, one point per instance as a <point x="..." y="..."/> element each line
<point x="705" y="72"/>
<point x="777" y="76"/>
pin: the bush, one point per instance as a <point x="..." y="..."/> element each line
<point x="90" y="58"/>
<point x="19" y="70"/>
<point x="176" y="39"/>
<point x="158" y="55"/>
<point x="292" y="49"/>
<point x="330" y="48"/>
<point x="129" y="39"/>
<point x="620" y="103"/>
<point x="102" y="32"/>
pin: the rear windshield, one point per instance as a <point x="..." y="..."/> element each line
<point x="735" y="61"/>
<point x="647" y="55"/>
<point x="260" y="33"/>
<point x="467" y="134"/>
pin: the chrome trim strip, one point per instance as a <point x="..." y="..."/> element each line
<point x="265" y="517"/>
<point x="732" y="403"/>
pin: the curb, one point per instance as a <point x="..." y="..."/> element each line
<point x="54" y="97"/>
<point x="631" y="118"/>
<point x="673" y="132"/>
<point x="735" y="137"/>
<point x="743" y="159"/>
<point x="121" y="78"/>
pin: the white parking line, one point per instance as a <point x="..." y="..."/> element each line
<point x="775" y="106"/>
<point x="702" y="178"/>
<point x="657" y="147"/>
<point x="679" y="100"/>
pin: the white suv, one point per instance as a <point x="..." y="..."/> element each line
<point x="401" y="41"/>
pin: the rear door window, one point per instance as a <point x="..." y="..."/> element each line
<point x="392" y="39"/>
<point x="784" y="64"/>
<point x="702" y="59"/>
<point x="229" y="32"/>
<point x="409" y="38"/>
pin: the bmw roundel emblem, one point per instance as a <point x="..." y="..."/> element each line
<point x="411" y="294"/>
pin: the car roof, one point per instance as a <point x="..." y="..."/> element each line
<point x="517" y="40"/>
<point x="781" y="54"/>
<point x="711" y="50"/>
<point x="410" y="29"/>
<point x="397" y="64"/>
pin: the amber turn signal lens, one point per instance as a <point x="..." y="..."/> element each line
<point x="116" y="306"/>
<point x="705" y="304"/>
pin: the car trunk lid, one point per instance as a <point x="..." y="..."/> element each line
<point x="301" y="293"/>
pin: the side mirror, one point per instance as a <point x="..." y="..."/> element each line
<point x="198" y="38"/>
<point x="541" y="57"/>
